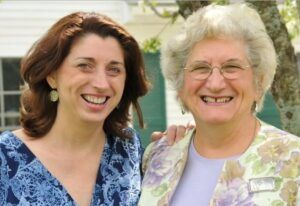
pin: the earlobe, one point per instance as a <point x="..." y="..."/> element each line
<point x="51" y="80"/>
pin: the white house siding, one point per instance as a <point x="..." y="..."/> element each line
<point x="174" y="115"/>
<point x="23" y="22"/>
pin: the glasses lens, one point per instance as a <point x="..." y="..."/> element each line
<point x="200" y="71"/>
<point x="231" y="70"/>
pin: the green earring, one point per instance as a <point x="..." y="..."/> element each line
<point x="53" y="95"/>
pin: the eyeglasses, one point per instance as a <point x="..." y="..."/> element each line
<point x="229" y="70"/>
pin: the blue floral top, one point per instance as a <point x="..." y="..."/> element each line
<point x="25" y="181"/>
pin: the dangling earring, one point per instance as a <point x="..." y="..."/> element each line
<point x="53" y="95"/>
<point x="182" y="108"/>
<point x="255" y="107"/>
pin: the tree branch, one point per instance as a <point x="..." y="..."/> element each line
<point x="159" y="14"/>
<point x="298" y="8"/>
<point x="186" y="8"/>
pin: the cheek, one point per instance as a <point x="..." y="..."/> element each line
<point x="181" y="96"/>
<point x="185" y="94"/>
<point x="258" y="91"/>
<point x="255" y="90"/>
<point x="192" y="87"/>
<point x="120" y="84"/>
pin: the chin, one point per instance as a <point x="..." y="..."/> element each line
<point x="216" y="119"/>
<point x="94" y="118"/>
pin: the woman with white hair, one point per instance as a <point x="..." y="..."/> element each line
<point x="221" y="65"/>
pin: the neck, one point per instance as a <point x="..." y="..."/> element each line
<point x="225" y="140"/>
<point x="75" y="136"/>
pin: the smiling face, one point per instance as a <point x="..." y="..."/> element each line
<point x="217" y="99"/>
<point x="91" y="79"/>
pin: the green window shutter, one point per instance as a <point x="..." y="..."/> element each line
<point x="153" y="104"/>
<point x="270" y="112"/>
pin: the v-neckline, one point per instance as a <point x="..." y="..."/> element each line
<point x="59" y="184"/>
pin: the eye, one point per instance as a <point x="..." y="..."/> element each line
<point x="84" y="66"/>
<point x="200" y="69"/>
<point x="232" y="68"/>
<point x="114" y="70"/>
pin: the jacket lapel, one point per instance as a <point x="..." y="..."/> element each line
<point x="164" y="166"/>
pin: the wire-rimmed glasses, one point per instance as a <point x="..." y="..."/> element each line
<point x="230" y="70"/>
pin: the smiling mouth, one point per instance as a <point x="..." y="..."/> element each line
<point x="95" y="100"/>
<point x="208" y="99"/>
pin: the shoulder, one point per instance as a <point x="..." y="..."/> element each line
<point x="162" y="144"/>
<point x="161" y="151"/>
<point x="13" y="152"/>
<point x="273" y="151"/>
<point x="269" y="133"/>
<point x="9" y="141"/>
<point x="274" y="157"/>
<point x="10" y="160"/>
<point x="274" y="144"/>
<point x="127" y="147"/>
<point x="133" y="140"/>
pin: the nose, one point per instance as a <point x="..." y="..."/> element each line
<point x="216" y="81"/>
<point x="100" y="79"/>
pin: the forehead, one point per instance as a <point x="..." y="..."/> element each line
<point x="218" y="49"/>
<point x="93" y="45"/>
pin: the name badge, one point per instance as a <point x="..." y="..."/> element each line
<point x="261" y="184"/>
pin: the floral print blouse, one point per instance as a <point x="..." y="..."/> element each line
<point x="268" y="173"/>
<point x="25" y="181"/>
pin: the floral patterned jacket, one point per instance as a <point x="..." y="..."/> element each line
<point x="268" y="173"/>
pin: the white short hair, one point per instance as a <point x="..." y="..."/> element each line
<point x="235" y="21"/>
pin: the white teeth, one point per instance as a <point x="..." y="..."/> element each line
<point x="209" y="99"/>
<point x="223" y="100"/>
<point x="216" y="100"/>
<point x="95" y="100"/>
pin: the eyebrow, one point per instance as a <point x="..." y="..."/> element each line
<point x="113" y="62"/>
<point x="198" y="62"/>
<point x="233" y="60"/>
<point x="116" y="63"/>
<point x="85" y="58"/>
<point x="206" y="62"/>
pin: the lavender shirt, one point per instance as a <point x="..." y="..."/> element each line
<point x="198" y="181"/>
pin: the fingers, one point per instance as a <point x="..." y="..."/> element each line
<point x="180" y="132"/>
<point x="171" y="134"/>
<point x="156" y="136"/>
<point x="174" y="133"/>
<point x="191" y="125"/>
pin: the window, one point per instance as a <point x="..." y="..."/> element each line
<point x="10" y="83"/>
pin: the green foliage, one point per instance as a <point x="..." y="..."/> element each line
<point x="145" y="3"/>
<point x="151" y="45"/>
<point x="289" y="13"/>
<point x="277" y="203"/>
<point x="221" y="2"/>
